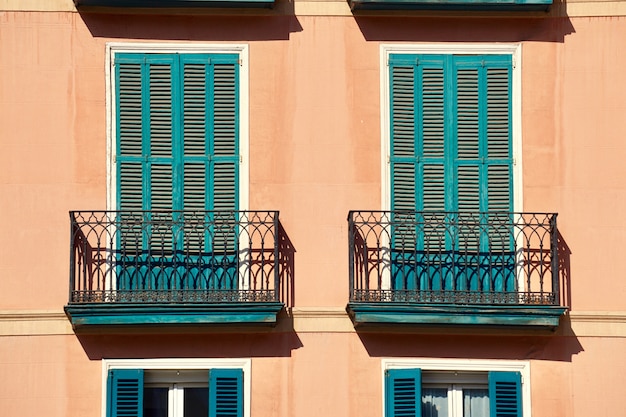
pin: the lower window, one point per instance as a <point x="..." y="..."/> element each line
<point x="174" y="392"/>
<point x="469" y="391"/>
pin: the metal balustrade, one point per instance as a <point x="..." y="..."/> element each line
<point x="174" y="257"/>
<point x="459" y="258"/>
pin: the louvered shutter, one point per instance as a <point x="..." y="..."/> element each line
<point x="129" y="79"/>
<point x="483" y="162"/>
<point x="483" y="172"/>
<point x="505" y="394"/>
<point x="226" y="393"/>
<point x="402" y="158"/>
<point x="225" y="161"/>
<point x="125" y="393"/>
<point x="162" y="138"/>
<point x="403" y="393"/>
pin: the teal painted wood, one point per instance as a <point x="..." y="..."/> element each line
<point x="451" y="151"/>
<point x="85" y="316"/>
<point x="179" y="122"/>
<point x="226" y="393"/>
<point x="467" y="5"/>
<point x="514" y="316"/>
<point x="125" y="393"/>
<point x="160" y="4"/>
<point x="505" y="394"/>
<point x="403" y="392"/>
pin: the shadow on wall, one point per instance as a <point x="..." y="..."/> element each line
<point x="479" y="346"/>
<point x="474" y="29"/>
<point x="168" y="25"/>
<point x="199" y="345"/>
<point x="564" y="271"/>
<point x="286" y="264"/>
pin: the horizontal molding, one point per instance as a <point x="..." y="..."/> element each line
<point x="572" y="8"/>
<point x="34" y="323"/>
<point x="311" y="320"/>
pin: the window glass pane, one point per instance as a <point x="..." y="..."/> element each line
<point x="155" y="402"/>
<point x="434" y="402"/>
<point x="196" y="402"/>
<point x="475" y="402"/>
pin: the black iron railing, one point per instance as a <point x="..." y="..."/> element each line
<point x="458" y="258"/>
<point x="174" y="256"/>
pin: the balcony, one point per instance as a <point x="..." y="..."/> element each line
<point x="454" y="269"/>
<point x="171" y="4"/>
<point x="157" y="268"/>
<point x="452" y="5"/>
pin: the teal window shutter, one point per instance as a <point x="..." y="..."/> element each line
<point x="226" y="393"/>
<point x="403" y="393"/>
<point x="125" y="393"/>
<point x="505" y="394"/>
<point x="450" y="128"/>
<point x="177" y="131"/>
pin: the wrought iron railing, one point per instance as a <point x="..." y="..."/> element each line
<point x="456" y="258"/>
<point x="174" y="257"/>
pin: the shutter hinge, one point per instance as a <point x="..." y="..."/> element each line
<point x="114" y="159"/>
<point x="514" y="62"/>
<point x="240" y="159"/>
<point x="514" y="161"/>
<point x="240" y="61"/>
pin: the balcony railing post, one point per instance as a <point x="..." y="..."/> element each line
<point x="554" y="255"/>
<point x="73" y="228"/>
<point x="351" y="254"/>
<point x="276" y="260"/>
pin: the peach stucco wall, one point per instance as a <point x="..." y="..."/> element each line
<point x="314" y="134"/>
<point x="314" y="154"/>
<point x="308" y="374"/>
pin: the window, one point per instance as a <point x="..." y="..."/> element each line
<point x="451" y="132"/>
<point x="177" y="131"/>
<point x="169" y="389"/>
<point x="454" y="388"/>
<point x="449" y="144"/>
<point x="178" y="145"/>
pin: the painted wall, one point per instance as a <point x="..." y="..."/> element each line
<point x="314" y="154"/>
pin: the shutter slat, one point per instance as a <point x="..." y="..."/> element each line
<point x="467" y="114"/>
<point x="161" y="110"/>
<point x="403" y="113"/>
<point x="129" y="109"/>
<point x="195" y="109"/>
<point x="498" y="114"/>
<point x="225" y="110"/>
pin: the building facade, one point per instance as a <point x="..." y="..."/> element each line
<point x="312" y="208"/>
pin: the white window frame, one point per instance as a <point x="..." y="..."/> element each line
<point x="113" y="48"/>
<point x="513" y="49"/>
<point x="186" y="364"/>
<point x="462" y="365"/>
